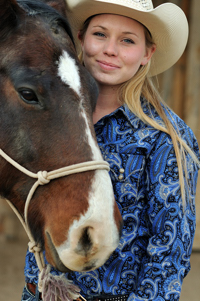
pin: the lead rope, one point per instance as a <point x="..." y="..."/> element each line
<point x="52" y="287"/>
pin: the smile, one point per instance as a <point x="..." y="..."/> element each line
<point x="107" y="66"/>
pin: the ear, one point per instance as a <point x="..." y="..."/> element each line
<point x="6" y="7"/>
<point x="59" y="5"/>
<point x="80" y="37"/>
<point x="149" y="52"/>
<point x="8" y="12"/>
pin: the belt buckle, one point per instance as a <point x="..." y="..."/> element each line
<point x="81" y="298"/>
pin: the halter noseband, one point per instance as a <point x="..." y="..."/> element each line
<point x="43" y="178"/>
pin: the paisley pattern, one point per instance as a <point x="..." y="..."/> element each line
<point x="153" y="255"/>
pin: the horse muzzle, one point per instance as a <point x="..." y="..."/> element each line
<point x="85" y="249"/>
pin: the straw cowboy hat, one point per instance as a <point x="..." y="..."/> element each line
<point x="167" y="24"/>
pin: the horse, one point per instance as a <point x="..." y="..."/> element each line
<point x="47" y="100"/>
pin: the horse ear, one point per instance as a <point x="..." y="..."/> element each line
<point x="59" y="5"/>
<point x="7" y="7"/>
<point x="8" y="20"/>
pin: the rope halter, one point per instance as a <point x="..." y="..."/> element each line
<point x="43" y="178"/>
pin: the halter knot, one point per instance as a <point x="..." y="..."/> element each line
<point x="42" y="177"/>
<point x="34" y="247"/>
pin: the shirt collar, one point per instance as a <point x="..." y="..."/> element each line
<point x="128" y="114"/>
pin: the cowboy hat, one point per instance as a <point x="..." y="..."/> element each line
<point x="167" y="24"/>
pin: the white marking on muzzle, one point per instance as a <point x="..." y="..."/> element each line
<point x="99" y="220"/>
<point x="69" y="73"/>
<point x="102" y="229"/>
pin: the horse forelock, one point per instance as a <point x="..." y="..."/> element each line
<point x="37" y="8"/>
<point x="11" y="15"/>
<point x="45" y="40"/>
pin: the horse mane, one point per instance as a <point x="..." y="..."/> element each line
<point x="32" y="8"/>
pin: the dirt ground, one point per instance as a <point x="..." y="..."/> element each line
<point x="12" y="257"/>
<point x="12" y="254"/>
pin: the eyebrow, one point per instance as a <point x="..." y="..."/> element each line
<point x="124" y="32"/>
<point x="104" y="28"/>
<point x="128" y="32"/>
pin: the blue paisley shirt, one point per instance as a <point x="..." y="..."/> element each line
<point x="153" y="255"/>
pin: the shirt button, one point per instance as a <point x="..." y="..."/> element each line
<point x="121" y="170"/>
<point x="121" y="177"/>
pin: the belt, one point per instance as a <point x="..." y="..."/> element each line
<point x="107" y="298"/>
<point x="32" y="289"/>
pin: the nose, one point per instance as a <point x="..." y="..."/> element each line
<point x="111" y="48"/>
<point x="85" y="242"/>
<point x="88" y="247"/>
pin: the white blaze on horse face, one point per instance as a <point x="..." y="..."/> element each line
<point x="69" y="72"/>
<point x="96" y="153"/>
<point x="97" y="225"/>
<point x="98" y="222"/>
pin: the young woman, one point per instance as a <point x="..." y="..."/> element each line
<point x="153" y="154"/>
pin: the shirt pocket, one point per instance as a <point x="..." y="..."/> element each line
<point x="125" y="167"/>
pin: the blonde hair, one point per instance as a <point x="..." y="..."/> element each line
<point x="131" y="92"/>
<point x="142" y="85"/>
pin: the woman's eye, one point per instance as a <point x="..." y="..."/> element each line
<point x="128" y="41"/>
<point x="99" y="34"/>
<point x="28" y="96"/>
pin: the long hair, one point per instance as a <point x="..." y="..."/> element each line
<point x="130" y="93"/>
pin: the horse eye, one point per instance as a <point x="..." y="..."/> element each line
<point x="28" y="96"/>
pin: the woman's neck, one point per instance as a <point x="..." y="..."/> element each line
<point x="107" y="102"/>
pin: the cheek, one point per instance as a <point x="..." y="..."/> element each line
<point x="132" y="62"/>
<point x="89" y="48"/>
<point x="134" y="58"/>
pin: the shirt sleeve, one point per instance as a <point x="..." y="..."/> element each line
<point x="171" y="226"/>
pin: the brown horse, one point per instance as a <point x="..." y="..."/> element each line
<point x="47" y="99"/>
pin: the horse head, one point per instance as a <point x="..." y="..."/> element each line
<point x="47" y="99"/>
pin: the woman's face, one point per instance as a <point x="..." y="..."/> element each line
<point x="114" y="48"/>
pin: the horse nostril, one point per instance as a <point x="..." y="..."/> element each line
<point x="85" y="241"/>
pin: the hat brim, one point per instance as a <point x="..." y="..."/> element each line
<point x="167" y="24"/>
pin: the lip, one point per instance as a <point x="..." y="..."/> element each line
<point x="107" y="65"/>
<point x="57" y="262"/>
